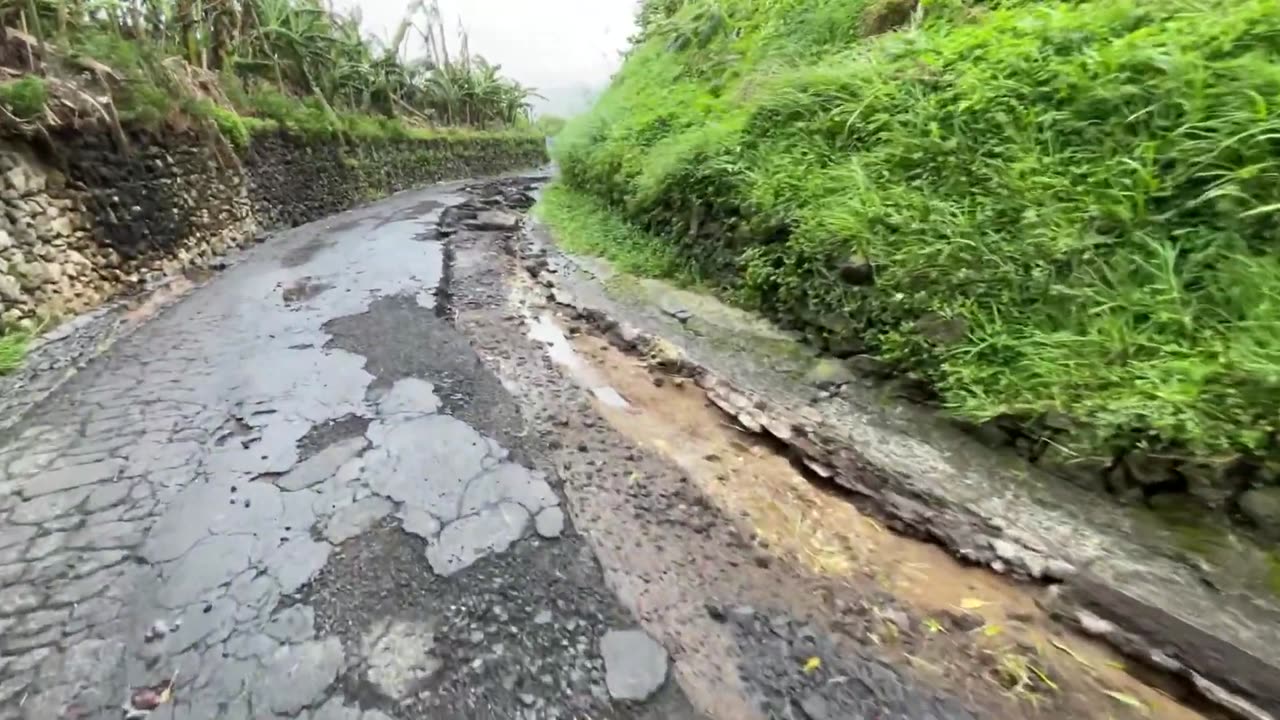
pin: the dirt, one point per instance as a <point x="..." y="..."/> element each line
<point x="960" y="626"/>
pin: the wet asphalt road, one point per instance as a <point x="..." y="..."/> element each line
<point x="298" y="493"/>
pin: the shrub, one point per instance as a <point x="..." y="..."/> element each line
<point x="13" y="348"/>
<point x="231" y="125"/>
<point x="142" y="103"/>
<point x="24" y="97"/>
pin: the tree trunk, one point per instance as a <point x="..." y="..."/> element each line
<point x="187" y="30"/>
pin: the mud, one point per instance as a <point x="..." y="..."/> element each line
<point x="691" y="517"/>
<point x="804" y="520"/>
<point x="1192" y="623"/>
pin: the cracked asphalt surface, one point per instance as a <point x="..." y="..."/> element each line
<point x="300" y="493"/>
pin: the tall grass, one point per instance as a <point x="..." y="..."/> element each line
<point x="262" y="58"/>
<point x="13" y="348"/>
<point x="1086" y="194"/>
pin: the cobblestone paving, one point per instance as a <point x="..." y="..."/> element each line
<point x="160" y="513"/>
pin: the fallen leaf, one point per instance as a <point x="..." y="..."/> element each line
<point x="1129" y="700"/>
<point x="973" y="603"/>
<point x="1044" y="678"/>
<point x="934" y="626"/>
<point x="812" y="664"/>
<point x="1072" y="653"/>
<point x="992" y="630"/>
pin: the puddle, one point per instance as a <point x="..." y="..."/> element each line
<point x="302" y="290"/>
<point x="545" y="330"/>
<point x="147" y="305"/>
<point x="610" y="397"/>
<point x="817" y="527"/>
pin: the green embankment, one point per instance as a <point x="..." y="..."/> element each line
<point x="240" y="68"/>
<point x="1047" y="210"/>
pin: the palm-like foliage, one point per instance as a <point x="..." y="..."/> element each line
<point x="299" y="46"/>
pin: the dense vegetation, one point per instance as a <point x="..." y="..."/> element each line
<point x="235" y="67"/>
<point x="286" y="62"/>
<point x="1064" y="212"/>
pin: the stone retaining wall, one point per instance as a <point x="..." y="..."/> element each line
<point x="82" y="220"/>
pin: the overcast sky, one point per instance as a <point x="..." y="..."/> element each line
<point x="566" y="49"/>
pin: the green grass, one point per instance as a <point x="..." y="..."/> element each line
<point x="24" y="97"/>
<point x="1087" y="194"/>
<point x="13" y="348"/>
<point x="586" y="227"/>
<point x="151" y="95"/>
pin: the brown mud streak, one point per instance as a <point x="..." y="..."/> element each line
<point x="914" y="518"/>
<point x="746" y="476"/>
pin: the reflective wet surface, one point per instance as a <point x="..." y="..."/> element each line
<point x="177" y="517"/>
<point x="366" y="472"/>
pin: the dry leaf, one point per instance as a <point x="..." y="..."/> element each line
<point x="1043" y="678"/>
<point x="1129" y="700"/>
<point x="812" y="664"/>
<point x="992" y="630"/>
<point x="1072" y="653"/>
<point x="973" y="603"/>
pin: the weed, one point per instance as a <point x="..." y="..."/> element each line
<point x="13" y="348"/>
<point x="231" y="125"/>
<point x="586" y="227"/>
<point x="24" y="97"/>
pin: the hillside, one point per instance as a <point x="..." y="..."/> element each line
<point x="1063" y="217"/>
<point x="232" y="72"/>
<point x="245" y="66"/>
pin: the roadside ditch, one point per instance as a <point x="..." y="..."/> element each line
<point x="906" y="581"/>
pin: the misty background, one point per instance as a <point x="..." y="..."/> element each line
<point x="565" y="49"/>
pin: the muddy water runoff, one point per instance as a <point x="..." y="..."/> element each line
<point x="1022" y="651"/>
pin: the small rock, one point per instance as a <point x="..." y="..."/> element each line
<point x="542" y="618"/>
<point x="828" y="373"/>
<point x="24" y="181"/>
<point x="857" y="270"/>
<point x="550" y="522"/>
<point x="870" y="366"/>
<point x="962" y="621"/>
<point x="61" y="226"/>
<point x="1262" y="507"/>
<point x="494" y="220"/>
<point x="635" y="664"/>
<point x="10" y="289"/>
<point x="815" y="707"/>
<point x="897" y="618"/>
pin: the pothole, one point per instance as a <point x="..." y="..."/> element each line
<point x="302" y="290"/>
<point x="329" y="432"/>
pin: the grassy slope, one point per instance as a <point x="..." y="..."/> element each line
<point x="1070" y="208"/>
<point x="151" y="95"/>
